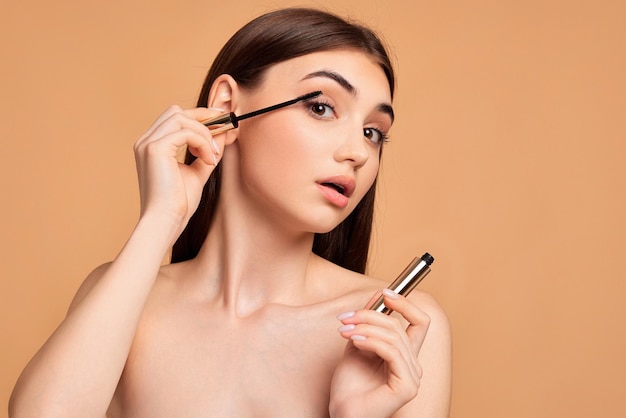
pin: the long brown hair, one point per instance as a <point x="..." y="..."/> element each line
<point x="269" y="39"/>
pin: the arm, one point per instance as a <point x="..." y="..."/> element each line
<point x="76" y="371"/>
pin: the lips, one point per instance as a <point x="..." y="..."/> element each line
<point x="342" y="184"/>
<point x="337" y="189"/>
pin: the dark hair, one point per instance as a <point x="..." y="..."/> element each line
<point x="267" y="40"/>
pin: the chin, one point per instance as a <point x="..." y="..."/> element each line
<point x="325" y="225"/>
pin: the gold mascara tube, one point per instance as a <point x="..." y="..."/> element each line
<point x="407" y="280"/>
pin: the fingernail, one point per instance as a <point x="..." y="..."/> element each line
<point x="346" y="328"/>
<point x="214" y="159"/>
<point x="215" y="147"/>
<point x="345" y="315"/>
<point x="219" y="109"/>
<point x="390" y="294"/>
<point x="357" y="337"/>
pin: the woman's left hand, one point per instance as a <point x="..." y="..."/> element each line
<point x="379" y="372"/>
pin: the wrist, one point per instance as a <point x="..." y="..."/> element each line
<point x="160" y="227"/>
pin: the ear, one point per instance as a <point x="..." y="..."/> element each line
<point x="223" y="95"/>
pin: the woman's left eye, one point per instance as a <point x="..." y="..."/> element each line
<point x="374" y="135"/>
<point x="321" y="110"/>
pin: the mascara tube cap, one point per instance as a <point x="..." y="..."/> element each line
<point x="407" y="280"/>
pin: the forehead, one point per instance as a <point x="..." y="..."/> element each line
<point x="361" y="69"/>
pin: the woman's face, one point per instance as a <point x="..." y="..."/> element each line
<point x="308" y="165"/>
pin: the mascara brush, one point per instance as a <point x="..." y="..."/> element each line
<point x="230" y="121"/>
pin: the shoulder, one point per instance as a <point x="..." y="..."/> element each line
<point x="333" y="281"/>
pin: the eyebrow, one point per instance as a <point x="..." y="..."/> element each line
<point x="339" y="79"/>
<point x="385" y="108"/>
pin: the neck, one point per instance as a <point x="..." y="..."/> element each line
<point x="248" y="263"/>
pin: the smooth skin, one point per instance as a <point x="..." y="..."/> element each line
<point x="256" y="325"/>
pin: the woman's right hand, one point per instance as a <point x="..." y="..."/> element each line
<point x="169" y="188"/>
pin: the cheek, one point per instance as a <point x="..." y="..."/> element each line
<point x="276" y="151"/>
<point x="283" y="138"/>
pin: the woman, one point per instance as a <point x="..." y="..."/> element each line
<point x="244" y="321"/>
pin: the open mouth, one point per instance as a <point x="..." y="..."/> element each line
<point x="338" y="187"/>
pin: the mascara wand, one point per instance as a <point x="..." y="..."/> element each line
<point x="230" y="121"/>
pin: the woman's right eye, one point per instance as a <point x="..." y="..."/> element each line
<point x="321" y="110"/>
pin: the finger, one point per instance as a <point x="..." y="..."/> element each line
<point x="202" y="114"/>
<point x="404" y="376"/>
<point x="170" y="143"/>
<point x="371" y="324"/>
<point x="203" y="170"/>
<point x="159" y="120"/>
<point x="371" y="317"/>
<point x="389" y="336"/>
<point x="418" y="320"/>
<point x="175" y="119"/>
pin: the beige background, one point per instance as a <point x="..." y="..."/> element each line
<point x="506" y="163"/>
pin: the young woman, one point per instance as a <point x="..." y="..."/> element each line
<point x="262" y="312"/>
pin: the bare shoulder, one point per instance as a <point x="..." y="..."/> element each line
<point x="333" y="281"/>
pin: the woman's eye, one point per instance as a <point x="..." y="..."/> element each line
<point x="374" y="135"/>
<point x="321" y="110"/>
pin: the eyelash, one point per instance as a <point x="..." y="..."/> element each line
<point x="384" y="138"/>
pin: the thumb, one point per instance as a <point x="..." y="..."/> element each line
<point x="202" y="169"/>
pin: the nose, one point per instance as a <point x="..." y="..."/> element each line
<point x="352" y="147"/>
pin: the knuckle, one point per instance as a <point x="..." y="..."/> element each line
<point x="419" y="371"/>
<point x="396" y="352"/>
<point x="151" y="148"/>
<point x="395" y="322"/>
<point x="411" y="389"/>
<point x="139" y="147"/>
<point x="176" y="117"/>
<point x="397" y="339"/>
<point x="174" y="109"/>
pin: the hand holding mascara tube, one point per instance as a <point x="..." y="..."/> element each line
<point x="406" y="281"/>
